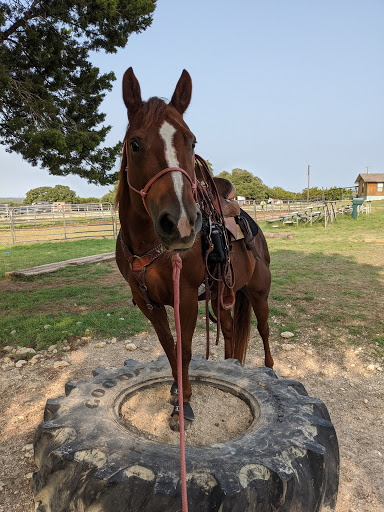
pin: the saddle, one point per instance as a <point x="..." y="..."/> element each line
<point x="223" y="221"/>
<point x="237" y="221"/>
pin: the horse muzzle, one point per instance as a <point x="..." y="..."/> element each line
<point x="178" y="234"/>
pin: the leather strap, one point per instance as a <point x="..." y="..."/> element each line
<point x="139" y="266"/>
<point x="144" y="191"/>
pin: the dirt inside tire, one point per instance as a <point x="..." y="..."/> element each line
<point x="219" y="415"/>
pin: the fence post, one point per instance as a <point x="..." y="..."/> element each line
<point x="254" y="209"/>
<point x="12" y="226"/>
<point x="114" y="228"/>
<point x="65" y="232"/>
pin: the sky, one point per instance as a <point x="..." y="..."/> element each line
<point x="277" y="85"/>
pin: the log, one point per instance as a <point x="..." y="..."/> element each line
<point x="278" y="235"/>
<point x="53" y="267"/>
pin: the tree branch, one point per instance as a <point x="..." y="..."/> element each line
<point x="27" y="16"/>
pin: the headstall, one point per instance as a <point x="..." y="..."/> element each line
<point x="144" y="191"/>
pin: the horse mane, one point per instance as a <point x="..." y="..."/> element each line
<point x="151" y="112"/>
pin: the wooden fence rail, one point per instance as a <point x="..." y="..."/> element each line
<point x="66" y="222"/>
<point x="28" y="224"/>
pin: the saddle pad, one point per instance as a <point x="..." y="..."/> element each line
<point x="233" y="227"/>
<point x="252" y="224"/>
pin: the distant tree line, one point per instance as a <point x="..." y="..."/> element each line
<point x="62" y="193"/>
<point x="251" y="187"/>
<point x="247" y="185"/>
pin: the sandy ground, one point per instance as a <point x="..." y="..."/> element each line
<point x="351" y="386"/>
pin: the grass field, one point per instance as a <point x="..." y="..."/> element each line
<point x="327" y="288"/>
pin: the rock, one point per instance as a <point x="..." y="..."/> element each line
<point x="28" y="447"/>
<point x="365" y="401"/>
<point x="60" y="364"/>
<point x="371" y="367"/>
<point x="29" y="476"/>
<point x="13" y="332"/>
<point x="108" y="314"/>
<point x="22" y="351"/>
<point x="47" y="326"/>
<point x="66" y="348"/>
<point x="287" y="346"/>
<point x="130" y="346"/>
<point x="8" y="348"/>
<point x="21" y="363"/>
<point x="101" y="344"/>
<point x="6" y="360"/>
<point x="122" y="319"/>
<point x="286" y="334"/>
<point x="113" y="341"/>
<point x="35" y="359"/>
<point x="51" y="348"/>
<point x="79" y="323"/>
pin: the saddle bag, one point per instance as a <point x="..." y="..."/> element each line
<point x="212" y="241"/>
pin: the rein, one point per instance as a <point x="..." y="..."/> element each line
<point x="208" y="200"/>
<point x="176" y="270"/>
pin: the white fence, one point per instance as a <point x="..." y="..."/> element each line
<point x="43" y="223"/>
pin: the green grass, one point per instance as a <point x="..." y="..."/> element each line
<point x="76" y="301"/>
<point x="68" y="304"/>
<point x="31" y="255"/>
<point x="327" y="288"/>
<point x="331" y="279"/>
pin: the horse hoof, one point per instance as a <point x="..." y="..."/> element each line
<point x="175" y="424"/>
<point x="188" y="417"/>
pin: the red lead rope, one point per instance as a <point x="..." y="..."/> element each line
<point x="177" y="266"/>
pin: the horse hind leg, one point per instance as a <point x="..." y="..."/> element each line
<point x="241" y="326"/>
<point x="226" y="325"/>
<point x="261" y="309"/>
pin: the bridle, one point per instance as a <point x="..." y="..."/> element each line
<point x="144" y="191"/>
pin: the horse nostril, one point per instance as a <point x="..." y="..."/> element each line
<point x="166" y="224"/>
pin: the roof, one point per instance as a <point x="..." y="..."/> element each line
<point x="371" y="177"/>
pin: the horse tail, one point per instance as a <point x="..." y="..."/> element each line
<point x="241" y="326"/>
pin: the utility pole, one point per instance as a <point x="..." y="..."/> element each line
<point x="308" y="166"/>
<point x="367" y="169"/>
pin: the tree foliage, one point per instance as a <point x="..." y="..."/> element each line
<point x="60" y="193"/>
<point x="50" y="93"/>
<point x="110" y="196"/>
<point x="246" y="183"/>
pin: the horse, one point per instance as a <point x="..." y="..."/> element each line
<point x="159" y="216"/>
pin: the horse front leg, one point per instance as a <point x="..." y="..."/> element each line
<point x="159" y="320"/>
<point x="188" y="316"/>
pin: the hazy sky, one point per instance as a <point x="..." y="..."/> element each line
<point x="277" y="85"/>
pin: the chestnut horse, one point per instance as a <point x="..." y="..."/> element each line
<point x="159" y="216"/>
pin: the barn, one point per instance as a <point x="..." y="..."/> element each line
<point x="371" y="186"/>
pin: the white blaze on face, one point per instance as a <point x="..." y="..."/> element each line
<point x="167" y="132"/>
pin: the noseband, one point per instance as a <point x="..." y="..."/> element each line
<point x="144" y="191"/>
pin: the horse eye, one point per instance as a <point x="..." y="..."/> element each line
<point x="194" y="142"/>
<point x="134" y="146"/>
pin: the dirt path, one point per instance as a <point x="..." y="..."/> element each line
<point x="351" y="387"/>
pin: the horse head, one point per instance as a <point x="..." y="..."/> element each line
<point x="159" y="162"/>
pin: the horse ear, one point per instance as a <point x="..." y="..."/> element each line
<point x="183" y="92"/>
<point x="131" y="92"/>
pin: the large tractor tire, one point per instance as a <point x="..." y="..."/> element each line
<point x="90" y="461"/>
